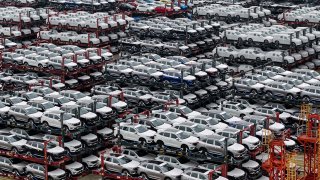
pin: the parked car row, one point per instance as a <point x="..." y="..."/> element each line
<point x="47" y="55"/>
<point x="179" y="28"/>
<point x="275" y="35"/>
<point x="83" y="19"/>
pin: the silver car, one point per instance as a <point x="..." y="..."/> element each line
<point x="311" y="93"/>
<point x="121" y="164"/>
<point x="12" y="143"/>
<point x="180" y="163"/>
<point x="158" y="170"/>
<point x="12" y="165"/>
<point x="38" y="171"/>
<point x="24" y="113"/>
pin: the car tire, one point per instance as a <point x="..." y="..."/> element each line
<point x="167" y="178"/>
<point x="306" y="99"/>
<point x="15" y="150"/>
<point x="16" y="172"/>
<point x="269" y="94"/>
<point x="144" y="176"/>
<point x="30" y="175"/>
<point x="253" y="92"/>
<point x="141" y="103"/>
<point x="203" y="150"/>
<point x="26" y="64"/>
<point x="184" y="148"/>
<point x="242" y="115"/>
<point x="125" y="172"/>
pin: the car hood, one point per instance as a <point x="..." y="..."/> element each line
<point x="189" y="78"/>
<point x="131" y="165"/>
<point x="89" y="115"/>
<point x="236" y="147"/>
<point x="146" y="96"/>
<point x="36" y="115"/>
<point x="164" y="126"/>
<point x="72" y="121"/>
<point x="206" y="132"/>
<point x="201" y="73"/>
<point x="174" y="172"/>
<point x="56" y="172"/>
<point x="220" y="125"/>
<point x="56" y="149"/>
<point x="179" y="120"/>
<point x="157" y="73"/>
<point x="289" y="142"/>
<point x="191" y="139"/>
<point x="193" y="113"/>
<point x="20" y="143"/>
<point x="105" y="131"/>
<point x="303" y="85"/>
<point x="236" y="172"/>
<point x="72" y="143"/>
<point x="258" y="86"/>
<point x="32" y="81"/>
<point x="276" y="126"/>
<point x="294" y="90"/>
<point x="251" y="139"/>
<point x="313" y="81"/>
<point x="120" y="104"/>
<point x="104" y="109"/>
<point x="148" y="133"/>
<point x="250" y="164"/>
<point x="115" y="93"/>
<point x="89" y="136"/>
<point x="128" y="70"/>
<point x="74" y="165"/>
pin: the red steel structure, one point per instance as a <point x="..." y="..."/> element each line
<point x="309" y="139"/>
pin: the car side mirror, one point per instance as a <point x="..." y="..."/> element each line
<point x="177" y="138"/>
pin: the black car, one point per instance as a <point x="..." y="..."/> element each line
<point x="126" y="7"/>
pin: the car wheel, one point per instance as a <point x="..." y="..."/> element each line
<point x="166" y="83"/>
<point x="285" y="63"/>
<point x="30" y="175"/>
<point x="293" y="44"/>
<point x="208" y="15"/>
<point x="46" y="124"/>
<point x="167" y="178"/>
<point x="136" y="78"/>
<point x="306" y="99"/>
<point x="231" y="57"/>
<point x="125" y="172"/>
<point x="141" y="103"/>
<point x="269" y="94"/>
<point x="156" y="104"/>
<point x="16" y="172"/>
<point x="290" y="97"/>
<point x="242" y="115"/>
<point x="40" y="66"/>
<point x="51" y="67"/>
<point x="242" y="58"/>
<point x="29" y="153"/>
<point x="144" y="176"/>
<point x="26" y="64"/>
<point x="15" y="150"/>
<point x="142" y="141"/>
<point x="184" y="148"/>
<point x="253" y="92"/>
<point x="66" y="128"/>
<point x="203" y="150"/>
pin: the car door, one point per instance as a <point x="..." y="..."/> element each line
<point x="116" y="165"/>
<point x="55" y="121"/>
<point x="40" y="171"/>
<point x="21" y="115"/>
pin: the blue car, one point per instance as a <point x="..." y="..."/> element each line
<point x="172" y="77"/>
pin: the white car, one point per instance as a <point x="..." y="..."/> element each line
<point x="52" y="119"/>
<point x="6" y="31"/>
<point x="251" y="54"/>
<point x="234" y="35"/>
<point x="279" y="57"/>
<point x="236" y="109"/>
<point x="145" y="8"/>
<point x="168" y="117"/>
<point x="36" y="61"/>
<point x="135" y="132"/>
<point x="225" y="52"/>
<point x="259" y="37"/>
<point x="193" y="129"/>
<point x="176" y="138"/>
<point x="284" y="39"/>
<point x="91" y="161"/>
<point x="74" y="168"/>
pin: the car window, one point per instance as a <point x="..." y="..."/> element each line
<point x="173" y="136"/>
<point x="157" y="168"/>
<point x="195" y="175"/>
<point x="150" y="166"/>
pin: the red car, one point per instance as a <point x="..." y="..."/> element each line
<point x="161" y="9"/>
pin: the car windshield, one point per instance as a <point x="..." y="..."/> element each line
<point x="231" y="142"/>
<point x="141" y="129"/>
<point x="83" y="111"/>
<point x="13" y="138"/>
<point x="242" y="107"/>
<point x="225" y="115"/>
<point x="124" y="160"/>
<point x="151" y="71"/>
<point x="16" y="55"/>
<point x="79" y="95"/>
<point x="156" y="57"/>
<point x="47" y="105"/>
<point x="262" y="78"/>
<point x="63" y="100"/>
<point x="99" y="105"/>
<point x="157" y="122"/>
<point x="172" y="116"/>
<point x="31" y="110"/>
<point x="314" y="73"/>
<point x="297" y="82"/>
<point x="287" y="86"/>
<point x="213" y="121"/>
<point x="67" y="116"/>
<point x="271" y="74"/>
<point x="47" y="90"/>
<point x="15" y="100"/>
<point x="32" y="95"/>
<point x="186" y="110"/>
<point x="245" y="135"/>
<point x="166" y="167"/>
<point x="183" y="135"/>
<point x="2" y="105"/>
<point x="198" y="128"/>
<point x="306" y="78"/>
